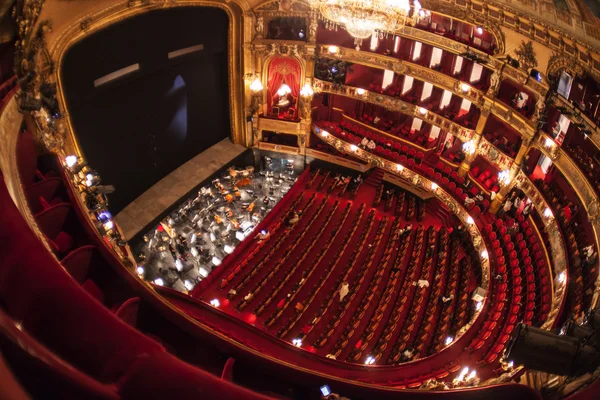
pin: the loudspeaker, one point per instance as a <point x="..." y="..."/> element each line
<point x="31" y="104"/>
<point x="545" y="351"/>
<point x="479" y="294"/>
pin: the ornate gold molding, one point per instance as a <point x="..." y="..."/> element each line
<point x="492" y="154"/>
<point x="121" y="11"/>
<point x="579" y="183"/>
<point x="557" y="248"/>
<point x="438" y="79"/>
<point x="394" y="104"/>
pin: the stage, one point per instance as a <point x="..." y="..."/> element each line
<point x="165" y="193"/>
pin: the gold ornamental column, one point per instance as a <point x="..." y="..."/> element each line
<point x="256" y="87"/>
<point x="306" y="96"/>
<point x="508" y="183"/>
<point x="470" y="148"/>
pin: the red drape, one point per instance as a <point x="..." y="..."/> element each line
<point x="283" y="70"/>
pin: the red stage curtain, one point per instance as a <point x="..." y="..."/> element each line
<point x="283" y="70"/>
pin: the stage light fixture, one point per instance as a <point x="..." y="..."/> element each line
<point x="548" y="352"/>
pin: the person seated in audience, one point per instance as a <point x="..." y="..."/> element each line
<point x="344" y="290"/>
<point x="590" y="260"/>
<point x="514" y="229"/>
<point x="507" y="206"/>
<point x="407" y="355"/>
<point x="447" y="299"/>
<point x="248" y="297"/>
<point x="479" y="197"/>
<point x="469" y="201"/>
<point x="371" y="145"/>
<point x="376" y="120"/>
<point x="526" y="209"/>
<point x="389" y="194"/>
<point x="498" y="278"/>
<point x="422" y="283"/>
<point x="588" y="250"/>
<point x="363" y="143"/>
<point x="294" y="219"/>
<point x="233" y="292"/>
<point x="263" y="235"/>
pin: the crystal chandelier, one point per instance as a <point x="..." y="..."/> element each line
<point x="363" y="18"/>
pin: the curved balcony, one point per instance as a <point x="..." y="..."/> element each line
<point x="395" y="104"/>
<point x="577" y="180"/>
<point x="456" y="87"/>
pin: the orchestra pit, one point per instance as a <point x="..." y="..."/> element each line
<point x="300" y="199"/>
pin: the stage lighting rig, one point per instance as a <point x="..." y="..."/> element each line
<point x="573" y="352"/>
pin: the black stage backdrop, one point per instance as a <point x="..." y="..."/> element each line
<point x="137" y="129"/>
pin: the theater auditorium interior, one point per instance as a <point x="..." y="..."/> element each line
<point x="299" y="199"/>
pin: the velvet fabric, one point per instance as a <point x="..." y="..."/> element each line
<point x="283" y="70"/>
<point x="162" y="376"/>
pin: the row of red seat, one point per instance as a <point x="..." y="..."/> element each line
<point x="341" y="249"/>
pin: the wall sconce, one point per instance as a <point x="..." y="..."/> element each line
<point x="434" y="186"/>
<point x="307" y="91"/>
<point x="549" y="143"/>
<point x="548" y="213"/>
<point x="71" y="161"/>
<point x="333" y="49"/>
<point x="504" y="177"/>
<point x="324" y="134"/>
<point x="469" y="147"/>
<point x="470" y="220"/>
<point x="256" y="86"/>
<point x="360" y="92"/>
<point x="353" y="147"/>
<point x="399" y="167"/>
<point x="464" y="87"/>
<point x="484" y="254"/>
<point x="422" y="110"/>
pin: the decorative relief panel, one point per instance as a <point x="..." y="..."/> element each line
<point x="493" y="155"/>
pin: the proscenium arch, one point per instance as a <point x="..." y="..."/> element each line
<point x="102" y="19"/>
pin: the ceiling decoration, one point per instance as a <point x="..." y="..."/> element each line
<point x="362" y="18"/>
